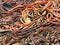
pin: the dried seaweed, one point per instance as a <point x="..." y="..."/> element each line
<point x="30" y="22"/>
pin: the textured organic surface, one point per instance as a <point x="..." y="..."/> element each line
<point x="29" y="22"/>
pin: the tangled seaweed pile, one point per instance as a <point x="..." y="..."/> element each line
<point x="30" y="22"/>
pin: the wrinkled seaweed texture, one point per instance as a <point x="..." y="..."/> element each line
<point x="29" y="22"/>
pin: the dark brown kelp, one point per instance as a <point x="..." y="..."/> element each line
<point x="29" y="22"/>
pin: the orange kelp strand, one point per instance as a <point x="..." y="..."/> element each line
<point x="24" y="25"/>
<point x="47" y="5"/>
<point x="36" y="3"/>
<point x="51" y="11"/>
